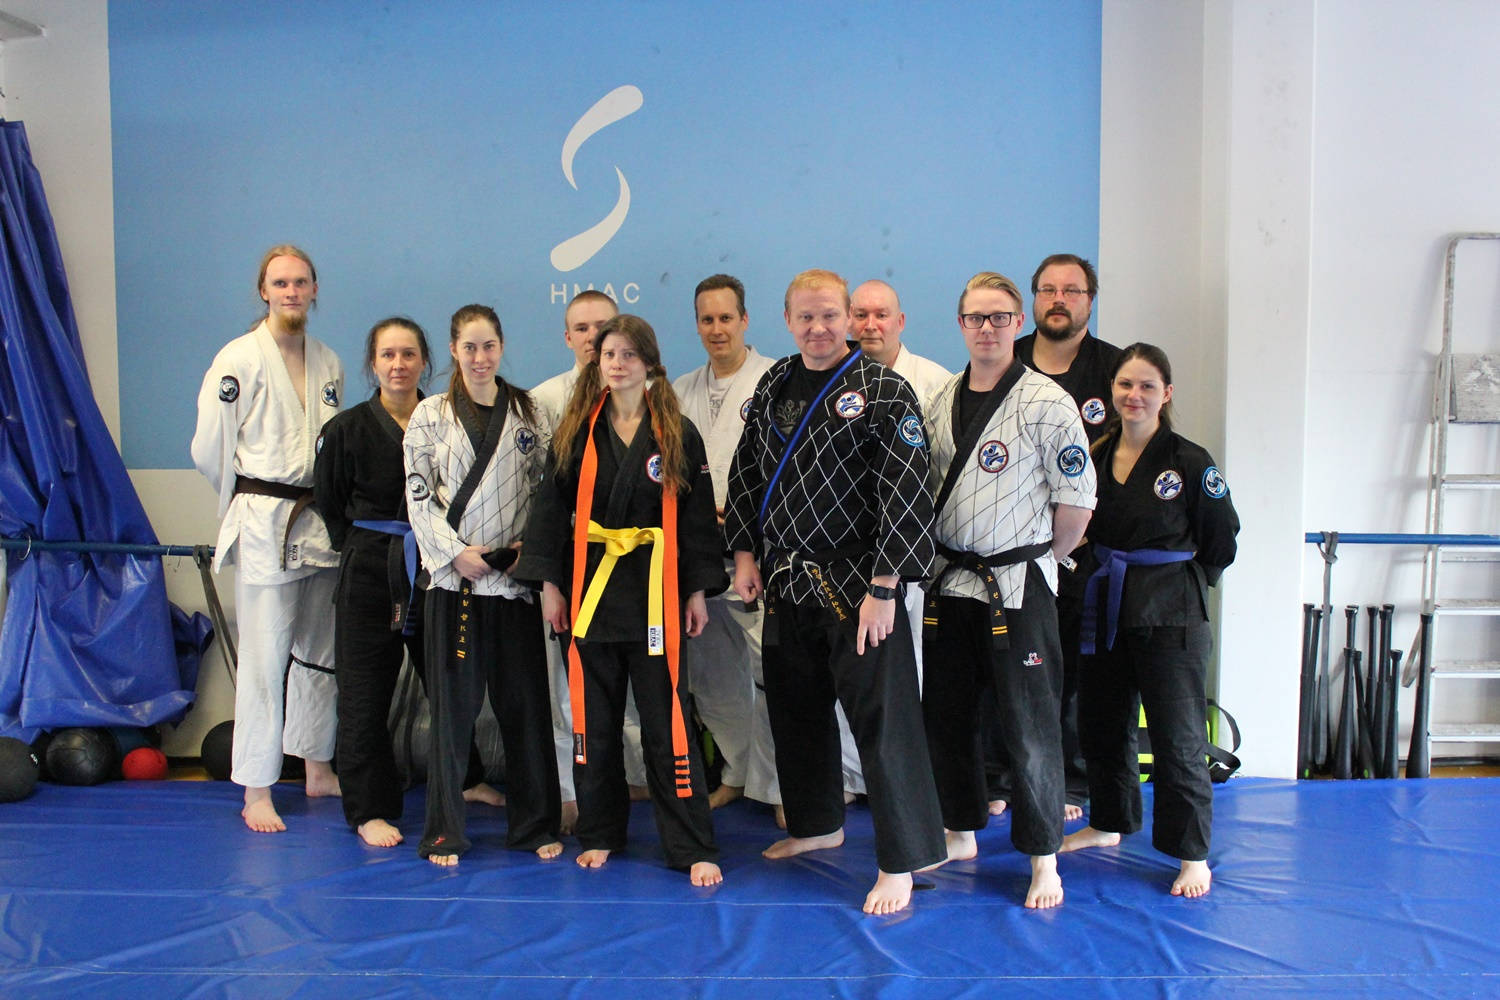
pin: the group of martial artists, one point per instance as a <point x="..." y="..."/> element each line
<point x="859" y="572"/>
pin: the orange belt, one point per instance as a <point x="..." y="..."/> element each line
<point x="671" y="610"/>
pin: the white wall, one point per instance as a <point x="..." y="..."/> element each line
<point x="1276" y="180"/>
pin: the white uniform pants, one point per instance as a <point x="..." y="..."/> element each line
<point x="279" y="624"/>
<point x="723" y="666"/>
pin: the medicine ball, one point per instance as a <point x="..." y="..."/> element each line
<point x="218" y="745"/>
<point x="81" y="756"/>
<point x="144" y="764"/>
<point x="39" y="751"/>
<point x="19" y="768"/>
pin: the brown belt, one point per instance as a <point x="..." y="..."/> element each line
<point x="302" y="495"/>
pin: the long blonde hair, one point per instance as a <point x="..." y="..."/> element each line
<point x="661" y="402"/>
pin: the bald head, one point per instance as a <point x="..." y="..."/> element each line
<point x="878" y="320"/>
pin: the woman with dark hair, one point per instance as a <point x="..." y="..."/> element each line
<point x="360" y="490"/>
<point x="625" y="547"/>
<point x="1163" y="532"/>
<point x="474" y="456"/>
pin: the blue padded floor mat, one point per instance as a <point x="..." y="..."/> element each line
<point x="1321" y="889"/>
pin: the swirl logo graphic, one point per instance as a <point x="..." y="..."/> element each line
<point x="575" y="251"/>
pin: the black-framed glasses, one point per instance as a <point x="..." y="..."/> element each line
<point x="1049" y="292"/>
<point x="973" y="321"/>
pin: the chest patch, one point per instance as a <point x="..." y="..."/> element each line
<point x="525" y="440"/>
<point x="1168" y="485"/>
<point x="229" y="388"/>
<point x="653" y="468"/>
<point x="850" y="405"/>
<point x="745" y="409"/>
<point x="993" y="456"/>
<point x="330" y="393"/>
<point x="1214" y="486"/>
<point x="416" y="488"/>
<point x="911" y="431"/>
<point x="1092" y="411"/>
<point x="1072" y="460"/>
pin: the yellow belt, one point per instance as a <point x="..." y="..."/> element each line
<point x="618" y="542"/>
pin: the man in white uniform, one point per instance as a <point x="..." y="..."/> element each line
<point x="723" y="663"/>
<point x="585" y="314"/>
<point x="260" y="410"/>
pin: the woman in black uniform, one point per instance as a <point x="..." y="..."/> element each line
<point x="360" y="489"/>
<point x="1163" y="533"/>
<point x="629" y="574"/>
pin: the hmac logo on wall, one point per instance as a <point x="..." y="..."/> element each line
<point x="574" y="252"/>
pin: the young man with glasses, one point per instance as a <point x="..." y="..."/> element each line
<point x="1063" y="288"/>
<point x="1015" y="489"/>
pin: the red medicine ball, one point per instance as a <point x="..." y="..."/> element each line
<point x="144" y="764"/>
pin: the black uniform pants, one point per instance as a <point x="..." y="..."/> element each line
<point x="959" y="672"/>
<point x="368" y="655"/>
<point x="499" y="647"/>
<point x="1163" y="668"/>
<point x="808" y="662"/>
<point x="684" y="824"/>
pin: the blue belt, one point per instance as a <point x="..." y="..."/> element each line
<point x="411" y="560"/>
<point x="1112" y="564"/>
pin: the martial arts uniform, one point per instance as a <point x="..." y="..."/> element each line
<point x="1000" y="461"/>
<point x="486" y="632"/>
<point x="1087" y="381"/>
<point x="552" y="396"/>
<point x="723" y="663"/>
<point x="1174" y="503"/>
<point x="255" y="442"/>
<point x="360" y="485"/>
<point x="838" y="497"/>
<point x="614" y="650"/>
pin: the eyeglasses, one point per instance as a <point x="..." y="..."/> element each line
<point x="1048" y="292"/>
<point x="999" y="321"/>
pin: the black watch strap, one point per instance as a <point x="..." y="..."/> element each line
<point x="882" y="593"/>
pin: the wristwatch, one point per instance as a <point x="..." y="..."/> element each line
<point x="882" y="593"/>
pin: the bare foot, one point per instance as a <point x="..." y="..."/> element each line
<point x="997" y="807"/>
<point x="549" y="851"/>
<point x="780" y="813"/>
<point x="260" y="815"/>
<point x="1088" y="837"/>
<point x="1072" y="812"/>
<point x="962" y="846"/>
<point x="444" y="860"/>
<point x="1046" y="886"/>
<point x="593" y="859"/>
<point x="1193" y="881"/>
<point x="639" y="793"/>
<point x="723" y="795"/>
<point x="569" y="818"/>
<point x="705" y="873"/>
<point x="790" y="847"/>
<point x="486" y="794"/>
<point x="890" y="895"/>
<point x="379" y="833"/>
<point x="321" y="781"/>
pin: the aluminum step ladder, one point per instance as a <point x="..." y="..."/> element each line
<point x="1466" y="391"/>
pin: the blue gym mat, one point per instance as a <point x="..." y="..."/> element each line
<point x="1321" y="889"/>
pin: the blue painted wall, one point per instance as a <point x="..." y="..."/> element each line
<point x="416" y="151"/>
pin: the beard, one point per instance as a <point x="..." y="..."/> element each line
<point x="1066" y="332"/>
<point x="293" y="322"/>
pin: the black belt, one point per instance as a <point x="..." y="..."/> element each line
<point x="981" y="566"/>
<point x="302" y="495"/>
<point x="813" y="562"/>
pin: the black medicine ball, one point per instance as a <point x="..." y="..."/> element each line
<point x="217" y="747"/>
<point x="19" y="768"/>
<point x="81" y="757"/>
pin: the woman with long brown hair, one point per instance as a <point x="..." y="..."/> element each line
<point x="624" y="546"/>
